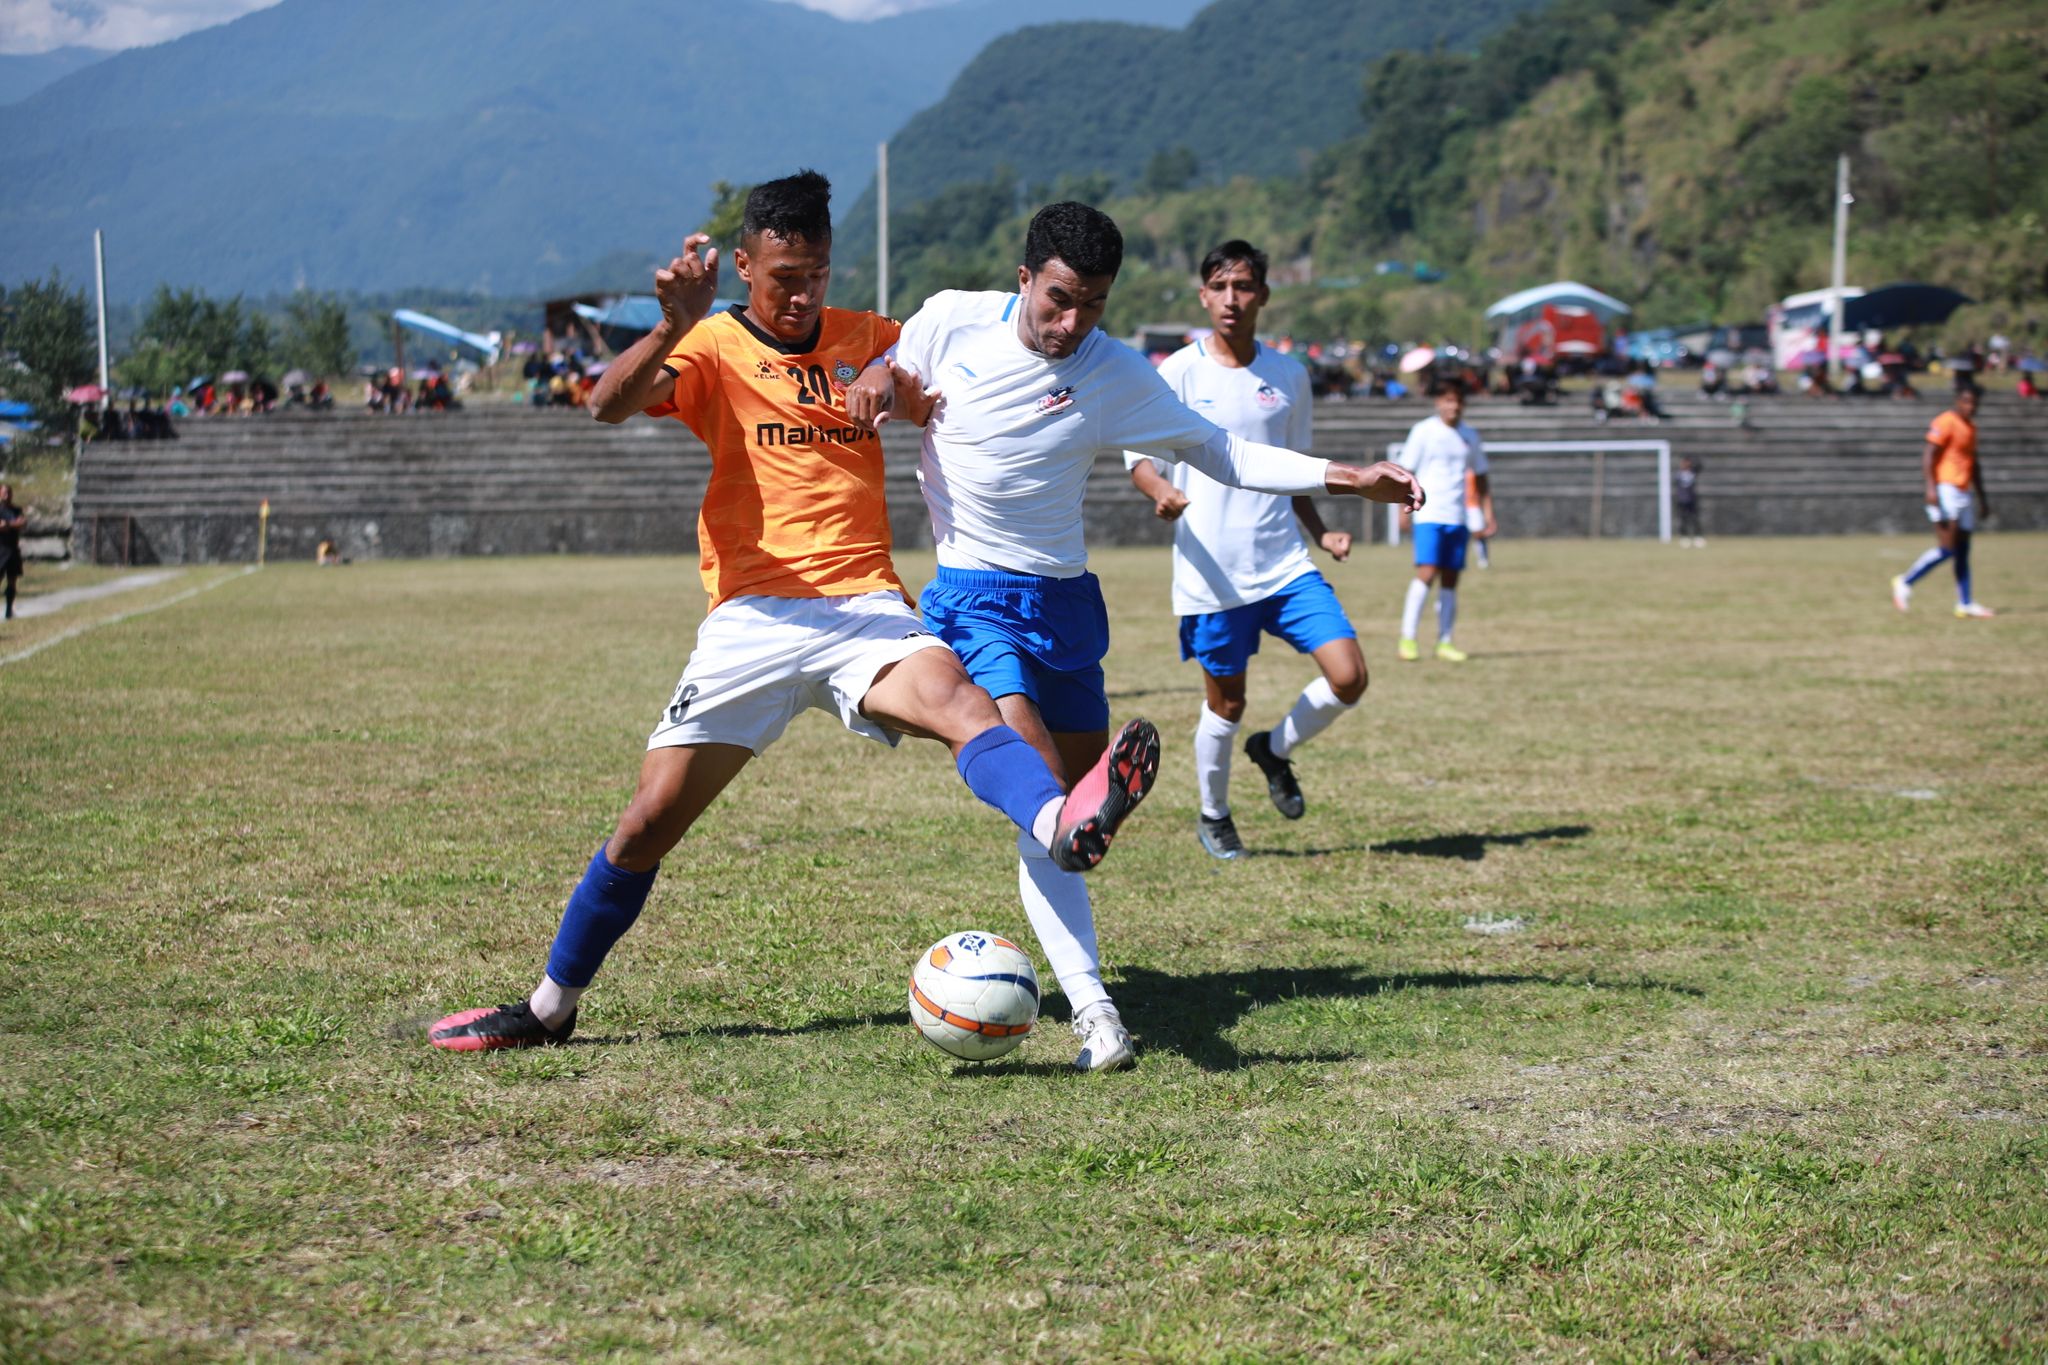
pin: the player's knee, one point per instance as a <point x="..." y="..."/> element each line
<point x="646" y="832"/>
<point x="1228" y="708"/>
<point x="1349" y="682"/>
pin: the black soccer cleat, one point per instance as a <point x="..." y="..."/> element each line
<point x="1219" y="836"/>
<point x="1280" y="783"/>
<point x="487" y="1029"/>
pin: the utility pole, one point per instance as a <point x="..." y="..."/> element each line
<point x="1842" y="201"/>
<point x="882" y="228"/>
<point x="99" y="270"/>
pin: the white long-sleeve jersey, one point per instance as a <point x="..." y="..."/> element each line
<point x="1015" y="436"/>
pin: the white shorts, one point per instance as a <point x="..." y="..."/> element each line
<point x="1475" y="519"/>
<point x="760" y="660"/>
<point x="1956" y="505"/>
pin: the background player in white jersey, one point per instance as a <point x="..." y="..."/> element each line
<point x="1240" y="567"/>
<point x="1029" y="394"/>
<point x="1442" y="450"/>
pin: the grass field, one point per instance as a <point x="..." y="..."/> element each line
<point x="1752" y="1062"/>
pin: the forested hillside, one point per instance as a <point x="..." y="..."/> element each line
<point x="1677" y="153"/>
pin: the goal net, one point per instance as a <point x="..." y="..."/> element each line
<point x="1573" y="488"/>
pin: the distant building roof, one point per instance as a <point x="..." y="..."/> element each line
<point x="1563" y="291"/>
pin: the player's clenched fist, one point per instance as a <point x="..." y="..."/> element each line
<point x="1169" y="503"/>
<point x="886" y="392"/>
<point x="688" y="285"/>
<point x="1337" y="543"/>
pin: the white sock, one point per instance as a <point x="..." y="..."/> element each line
<point x="1047" y="822"/>
<point x="1215" y="739"/>
<point x="1056" y="902"/>
<point x="552" y="1002"/>
<point x="1446" y="613"/>
<point x="1313" y="711"/>
<point x="1411" y="613"/>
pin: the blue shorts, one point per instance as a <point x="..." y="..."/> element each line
<point x="1305" y="613"/>
<point x="1043" y="638"/>
<point x="1440" y="545"/>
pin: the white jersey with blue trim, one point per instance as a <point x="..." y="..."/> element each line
<point x="1440" y="457"/>
<point x="1015" y="436"/>
<point x="1233" y="546"/>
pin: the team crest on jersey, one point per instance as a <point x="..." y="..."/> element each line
<point x="1058" y="400"/>
<point x="1269" y="397"/>
<point x="845" y="372"/>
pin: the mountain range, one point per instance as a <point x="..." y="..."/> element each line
<point x="22" y="74"/>
<point x="495" y="146"/>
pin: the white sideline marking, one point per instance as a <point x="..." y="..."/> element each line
<point x="57" y="601"/>
<point x="1491" y="926"/>
<point x="77" y="631"/>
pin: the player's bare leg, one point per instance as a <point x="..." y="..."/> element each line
<point x="676" y="786"/>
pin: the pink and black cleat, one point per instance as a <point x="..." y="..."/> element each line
<point x="1102" y="799"/>
<point x="490" y="1027"/>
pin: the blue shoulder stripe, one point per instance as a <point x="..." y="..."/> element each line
<point x="1007" y="306"/>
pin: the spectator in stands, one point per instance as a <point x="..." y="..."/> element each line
<point x="322" y="398"/>
<point x="12" y="522"/>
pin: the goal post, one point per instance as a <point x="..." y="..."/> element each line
<point x="1599" y="450"/>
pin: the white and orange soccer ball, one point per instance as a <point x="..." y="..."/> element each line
<point x="974" y="995"/>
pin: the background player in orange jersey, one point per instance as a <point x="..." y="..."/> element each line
<point x="806" y="607"/>
<point x="1955" y="499"/>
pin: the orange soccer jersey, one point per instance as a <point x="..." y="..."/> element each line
<point x="1956" y="440"/>
<point x="795" y="506"/>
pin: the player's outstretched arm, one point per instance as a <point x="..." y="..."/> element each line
<point x="638" y="379"/>
<point x="1381" y="482"/>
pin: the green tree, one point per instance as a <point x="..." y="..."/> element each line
<point x="186" y="335"/>
<point x="46" y="346"/>
<point x="316" y="336"/>
<point x="1169" y="171"/>
<point x="728" y="212"/>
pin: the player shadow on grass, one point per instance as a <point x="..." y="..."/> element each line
<point x="1191" y="1014"/>
<point x="1466" y="847"/>
<point x="1472" y="847"/>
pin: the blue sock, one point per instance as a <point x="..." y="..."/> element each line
<point x="602" y="907"/>
<point x="1963" y="570"/>
<point x="1001" y="768"/>
<point x="1924" y="565"/>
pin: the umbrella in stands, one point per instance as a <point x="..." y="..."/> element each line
<point x="1901" y="305"/>
<point x="2033" y="364"/>
<point x="295" y="378"/>
<point x="85" y="393"/>
<point x="235" y="377"/>
<point x="1419" y="358"/>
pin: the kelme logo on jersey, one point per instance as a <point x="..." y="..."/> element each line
<point x="1060" y="398"/>
<point x="763" y="370"/>
<point x="1268" y="396"/>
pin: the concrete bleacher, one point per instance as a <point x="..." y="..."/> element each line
<point x="494" y="479"/>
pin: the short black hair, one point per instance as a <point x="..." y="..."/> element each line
<point x="796" y="208"/>
<point x="1085" y="238"/>
<point x="1233" y="252"/>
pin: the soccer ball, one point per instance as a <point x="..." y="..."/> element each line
<point x="974" y="994"/>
